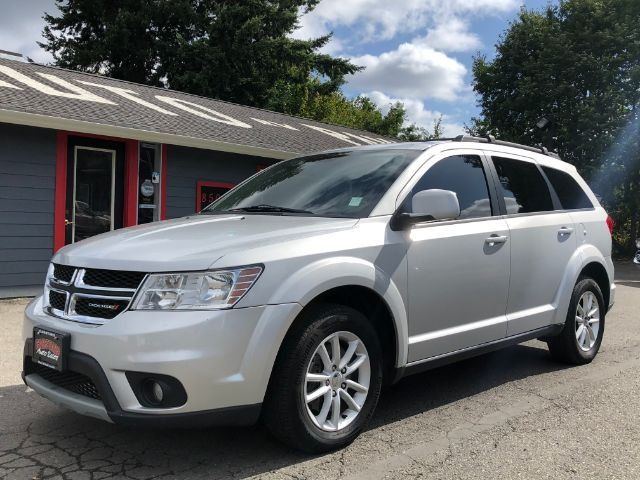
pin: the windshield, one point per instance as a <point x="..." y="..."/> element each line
<point x="340" y="184"/>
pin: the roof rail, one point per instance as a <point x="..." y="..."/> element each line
<point x="492" y="139"/>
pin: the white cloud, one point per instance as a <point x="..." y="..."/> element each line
<point x="452" y="35"/>
<point x="417" y="113"/>
<point x="412" y="70"/>
<point x="384" y="19"/>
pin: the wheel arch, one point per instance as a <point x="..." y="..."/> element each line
<point x="586" y="260"/>
<point x="374" y="307"/>
<point x="352" y="282"/>
<point x="598" y="272"/>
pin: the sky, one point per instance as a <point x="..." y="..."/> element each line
<point x="416" y="51"/>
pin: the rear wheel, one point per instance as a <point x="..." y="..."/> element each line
<point x="326" y="381"/>
<point x="580" y="339"/>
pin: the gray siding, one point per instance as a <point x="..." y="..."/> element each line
<point x="185" y="166"/>
<point x="27" y="182"/>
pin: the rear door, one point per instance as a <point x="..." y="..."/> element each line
<point x="542" y="242"/>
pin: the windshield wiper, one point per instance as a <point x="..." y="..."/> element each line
<point x="269" y="208"/>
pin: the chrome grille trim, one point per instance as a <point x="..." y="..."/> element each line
<point x="77" y="288"/>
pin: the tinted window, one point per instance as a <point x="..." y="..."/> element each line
<point x="464" y="175"/>
<point x="340" y="184"/>
<point x="523" y="186"/>
<point x="571" y="195"/>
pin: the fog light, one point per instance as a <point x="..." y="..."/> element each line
<point x="153" y="391"/>
<point x="158" y="393"/>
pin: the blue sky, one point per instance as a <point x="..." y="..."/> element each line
<point x="417" y="51"/>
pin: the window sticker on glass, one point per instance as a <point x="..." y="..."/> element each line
<point x="355" y="201"/>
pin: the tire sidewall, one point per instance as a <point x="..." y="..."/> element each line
<point x="334" y="320"/>
<point x="583" y="286"/>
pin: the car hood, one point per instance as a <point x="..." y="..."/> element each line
<point x="191" y="243"/>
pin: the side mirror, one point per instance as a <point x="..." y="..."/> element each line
<point x="428" y="205"/>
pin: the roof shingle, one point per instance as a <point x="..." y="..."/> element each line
<point x="57" y="98"/>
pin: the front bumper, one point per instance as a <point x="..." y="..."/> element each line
<point x="222" y="358"/>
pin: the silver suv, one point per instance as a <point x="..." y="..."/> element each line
<point x="303" y="290"/>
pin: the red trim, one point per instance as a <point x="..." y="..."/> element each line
<point x="60" y="198"/>
<point x="163" y="183"/>
<point x="205" y="183"/>
<point x="130" y="213"/>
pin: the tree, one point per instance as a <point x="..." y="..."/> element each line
<point x="415" y="133"/>
<point x="307" y="100"/>
<point x="225" y="49"/>
<point x="577" y="65"/>
<point x="235" y="51"/>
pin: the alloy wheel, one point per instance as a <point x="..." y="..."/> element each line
<point x="337" y="381"/>
<point x="587" y="321"/>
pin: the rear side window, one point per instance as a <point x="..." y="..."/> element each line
<point x="464" y="175"/>
<point x="571" y="195"/>
<point x="523" y="186"/>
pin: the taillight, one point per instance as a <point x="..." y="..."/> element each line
<point x="610" y="224"/>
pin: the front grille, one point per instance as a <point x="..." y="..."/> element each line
<point x="57" y="300"/>
<point x="99" y="307"/>
<point x="86" y="293"/>
<point x="64" y="273"/>
<point x="112" y="278"/>
<point x="72" y="381"/>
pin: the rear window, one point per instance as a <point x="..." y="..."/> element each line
<point x="570" y="193"/>
<point x="523" y="186"/>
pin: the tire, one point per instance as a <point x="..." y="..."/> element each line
<point x="570" y="346"/>
<point x="286" y="413"/>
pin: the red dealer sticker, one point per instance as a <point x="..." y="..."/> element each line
<point x="50" y="348"/>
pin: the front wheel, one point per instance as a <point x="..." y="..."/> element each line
<point x="326" y="381"/>
<point x="580" y="339"/>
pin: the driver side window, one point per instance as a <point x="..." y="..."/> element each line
<point x="464" y="175"/>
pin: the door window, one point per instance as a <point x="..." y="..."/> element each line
<point x="523" y="186"/>
<point x="464" y="175"/>
<point x="95" y="188"/>
<point x="149" y="183"/>
<point x="571" y="195"/>
<point x="93" y="194"/>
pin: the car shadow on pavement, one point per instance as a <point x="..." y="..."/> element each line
<point x="48" y="440"/>
<point x="445" y="385"/>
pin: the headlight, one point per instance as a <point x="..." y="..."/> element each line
<point x="216" y="289"/>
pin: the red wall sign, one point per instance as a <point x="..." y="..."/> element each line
<point x="208" y="192"/>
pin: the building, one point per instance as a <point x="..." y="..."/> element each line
<point x="82" y="154"/>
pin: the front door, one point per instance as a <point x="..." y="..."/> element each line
<point x="95" y="185"/>
<point x="458" y="270"/>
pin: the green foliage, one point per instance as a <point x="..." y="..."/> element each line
<point x="309" y="101"/>
<point x="577" y="65"/>
<point x="234" y="51"/>
<point x="414" y="133"/>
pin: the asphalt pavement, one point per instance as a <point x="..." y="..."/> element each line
<point x="508" y="414"/>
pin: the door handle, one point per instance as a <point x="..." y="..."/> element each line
<point x="495" y="239"/>
<point x="565" y="231"/>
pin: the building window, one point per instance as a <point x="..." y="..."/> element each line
<point x="149" y="168"/>
<point x="208" y="192"/>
